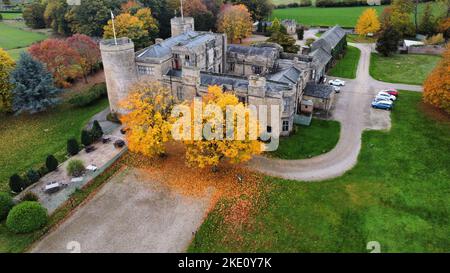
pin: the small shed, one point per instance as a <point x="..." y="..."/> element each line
<point x="321" y="95"/>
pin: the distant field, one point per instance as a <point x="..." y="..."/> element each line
<point x="345" y="16"/>
<point x="13" y="37"/>
<point x="10" y="16"/>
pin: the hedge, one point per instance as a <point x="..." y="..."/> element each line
<point x="6" y="204"/>
<point x="89" y="96"/>
<point x="26" y="217"/>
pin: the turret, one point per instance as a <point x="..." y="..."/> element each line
<point x="256" y="86"/>
<point x="120" y="69"/>
<point x="179" y="25"/>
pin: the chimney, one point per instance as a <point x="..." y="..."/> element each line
<point x="256" y="86"/>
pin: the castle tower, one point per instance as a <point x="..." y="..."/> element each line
<point x="120" y="69"/>
<point x="180" y="25"/>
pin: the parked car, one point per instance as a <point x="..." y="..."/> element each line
<point x="382" y="104"/>
<point x="337" y="82"/>
<point x="337" y="89"/>
<point x="391" y="91"/>
<point x="385" y="96"/>
<point x="119" y="143"/>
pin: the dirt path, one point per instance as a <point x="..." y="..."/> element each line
<point x="355" y="114"/>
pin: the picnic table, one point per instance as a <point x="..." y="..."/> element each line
<point x="91" y="167"/>
<point x="52" y="187"/>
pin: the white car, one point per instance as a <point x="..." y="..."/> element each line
<point x="386" y="95"/>
<point x="337" y="82"/>
<point x="337" y="89"/>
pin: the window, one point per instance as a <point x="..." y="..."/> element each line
<point x="286" y="105"/>
<point x="242" y="99"/>
<point x="257" y="69"/>
<point x="145" y="70"/>
<point x="269" y="129"/>
<point x="285" y="126"/>
<point x="176" y="63"/>
<point x="232" y="67"/>
<point x="180" y="92"/>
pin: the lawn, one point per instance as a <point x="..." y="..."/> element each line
<point x="343" y="16"/>
<point x="27" y="140"/>
<point x="14" y="37"/>
<point x="10" y="15"/>
<point x="397" y="194"/>
<point x="15" y="53"/>
<point x="402" y="68"/>
<point x="346" y="67"/>
<point x="316" y="139"/>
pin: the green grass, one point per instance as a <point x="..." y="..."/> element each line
<point x="343" y="16"/>
<point x="316" y="139"/>
<point x="10" y="16"/>
<point x="13" y="37"/>
<point x="11" y="242"/>
<point x="346" y="67"/>
<point x="26" y="140"/>
<point x="15" y="53"/>
<point x="402" y="68"/>
<point x="354" y="38"/>
<point x="397" y="194"/>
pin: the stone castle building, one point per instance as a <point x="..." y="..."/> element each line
<point x="190" y="61"/>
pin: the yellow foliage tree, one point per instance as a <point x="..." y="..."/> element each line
<point x="6" y="66"/>
<point x="436" y="88"/>
<point x="235" y="21"/>
<point x="127" y="25"/>
<point x="210" y="151"/>
<point x="148" y="118"/>
<point x="150" y="23"/>
<point x="368" y="22"/>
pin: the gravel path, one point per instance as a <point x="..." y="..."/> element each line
<point x="354" y="113"/>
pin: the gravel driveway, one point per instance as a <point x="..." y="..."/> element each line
<point x="354" y="113"/>
<point x="131" y="213"/>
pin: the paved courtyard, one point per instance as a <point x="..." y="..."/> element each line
<point x="131" y="213"/>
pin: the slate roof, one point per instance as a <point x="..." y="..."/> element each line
<point x="251" y="51"/>
<point x="316" y="90"/>
<point x="320" y="57"/>
<point x="329" y="39"/>
<point x="164" y="49"/>
<point x="288" y="75"/>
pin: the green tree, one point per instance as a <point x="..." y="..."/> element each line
<point x="259" y="9"/>
<point x="162" y="14"/>
<point x="6" y="66"/>
<point x="428" y="23"/>
<point x="16" y="183"/>
<point x="96" y="131"/>
<point x="54" y="16"/>
<point x="34" y="90"/>
<point x="401" y="17"/>
<point x="72" y="146"/>
<point x="33" y="14"/>
<point x="51" y="163"/>
<point x="86" y="138"/>
<point x="388" y="41"/>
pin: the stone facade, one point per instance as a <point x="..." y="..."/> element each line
<point x="190" y="61"/>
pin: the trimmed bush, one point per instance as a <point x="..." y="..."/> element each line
<point x="29" y="196"/>
<point x="51" y="163"/>
<point x="43" y="170"/>
<point x="32" y="176"/>
<point x="6" y="204"/>
<point x="97" y="131"/>
<point x="89" y="96"/>
<point x="75" y="168"/>
<point x="86" y="138"/>
<point x="16" y="183"/>
<point x="26" y="217"/>
<point x="72" y="146"/>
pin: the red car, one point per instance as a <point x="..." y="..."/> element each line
<point x="391" y="91"/>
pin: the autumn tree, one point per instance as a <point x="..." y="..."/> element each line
<point x="444" y="27"/>
<point x="148" y="118"/>
<point x="401" y="17"/>
<point x="55" y="16"/>
<point x="235" y="21"/>
<point x="162" y="13"/>
<point x="33" y="90"/>
<point x="388" y="41"/>
<point x="259" y="9"/>
<point x="385" y="18"/>
<point x="368" y="22"/>
<point x="218" y="140"/>
<point x="6" y="66"/>
<point x="203" y="18"/>
<point x="279" y="36"/>
<point x="428" y="23"/>
<point x="127" y="25"/>
<point x="88" y="53"/>
<point x="150" y="23"/>
<point x="436" y="88"/>
<point x="130" y="7"/>
<point x="59" y="58"/>
<point x="33" y="14"/>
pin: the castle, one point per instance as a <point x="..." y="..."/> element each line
<point x="190" y="61"/>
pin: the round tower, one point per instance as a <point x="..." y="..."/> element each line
<point x="179" y="25"/>
<point x="120" y="69"/>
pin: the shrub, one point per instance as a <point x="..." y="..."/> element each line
<point x="1" y="17"/>
<point x="29" y="196"/>
<point x="86" y="138"/>
<point x="6" y="204"/>
<point x="435" y="39"/>
<point x="16" y="183"/>
<point x="96" y="131"/>
<point x="72" y="146"/>
<point x="113" y="118"/>
<point x="51" y="163"/>
<point x="32" y="176"/>
<point x="75" y="168"/>
<point x="300" y="32"/>
<point x="26" y="217"/>
<point x="43" y="170"/>
<point x="309" y="41"/>
<point x="89" y="96"/>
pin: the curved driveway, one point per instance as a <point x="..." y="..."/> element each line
<point x="353" y="111"/>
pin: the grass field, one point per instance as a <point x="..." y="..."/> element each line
<point x="402" y="68"/>
<point x="13" y="37"/>
<point x="27" y="140"/>
<point x="397" y="194"/>
<point x="15" y="53"/>
<point x="10" y="16"/>
<point x="344" y="16"/>
<point x="316" y="139"/>
<point x="346" y="67"/>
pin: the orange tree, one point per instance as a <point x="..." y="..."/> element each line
<point x="368" y="22"/>
<point x="235" y="21"/>
<point x="147" y="119"/>
<point x="436" y="88"/>
<point x="212" y="140"/>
